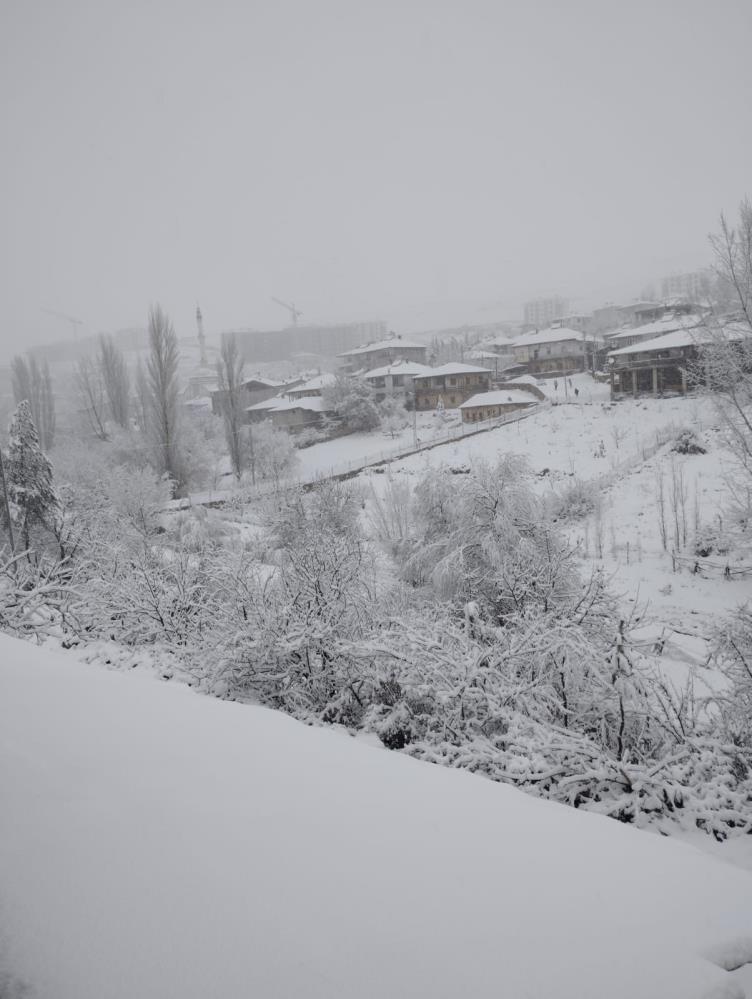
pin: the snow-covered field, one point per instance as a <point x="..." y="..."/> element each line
<point x="613" y="448"/>
<point x="157" y="843"/>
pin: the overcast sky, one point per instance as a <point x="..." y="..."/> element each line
<point x="360" y="158"/>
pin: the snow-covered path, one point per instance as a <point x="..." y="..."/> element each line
<point x="158" y="843"/>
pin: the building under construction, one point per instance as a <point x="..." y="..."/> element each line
<point x="325" y="341"/>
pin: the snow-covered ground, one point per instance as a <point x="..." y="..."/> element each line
<point x="157" y="843"/>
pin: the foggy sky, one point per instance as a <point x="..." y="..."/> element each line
<point x="360" y="158"/>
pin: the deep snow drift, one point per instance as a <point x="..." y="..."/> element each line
<point x="158" y="843"/>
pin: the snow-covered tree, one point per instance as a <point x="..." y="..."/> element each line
<point x="352" y="402"/>
<point x="270" y="452"/>
<point x="31" y="493"/>
<point x="393" y="415"/>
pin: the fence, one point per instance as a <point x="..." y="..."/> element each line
<point x="699" y="566"/>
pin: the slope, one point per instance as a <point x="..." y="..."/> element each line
<point x="157" y="843"/>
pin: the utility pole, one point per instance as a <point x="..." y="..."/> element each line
<point x="7" y="505"/>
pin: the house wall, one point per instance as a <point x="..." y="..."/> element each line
<point x="450" y="390"/>
<point x="477" y="413"/>
<point x="655" y="372"/>
<point x="294" y="419"/>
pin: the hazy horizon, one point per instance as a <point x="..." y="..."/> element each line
<point x="364" y="161"/>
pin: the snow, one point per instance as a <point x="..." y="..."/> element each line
<point x="313" y="385"/>
<point x="155" y="842"/>
<point x="399" y="368"/>
<point x="668" y="324"/>
<point x="272" y="403"/>
<point x="501" y="397"/>
<point x="556" y="334"/>
<point x="312" y="402"/>
<point x="682" y="338"/>
<point x="455" y="368"/>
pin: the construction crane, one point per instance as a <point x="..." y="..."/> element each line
<point x="294" y="313"/>
<point x="75" y="323"/>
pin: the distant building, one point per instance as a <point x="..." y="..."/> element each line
<point x="382" y="352"/>
<point x="450" y="385"/>
<point x="557" y="350"/>
<point x="294" y="415"/>
<point x="541" y="312"/>
<point x="691" y="286"/>
<point x="253" y="390"/>
<point x="312" y="388"/>
<point x="257" y="346"/>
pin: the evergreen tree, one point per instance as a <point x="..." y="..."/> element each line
<point x="31" y="492"/>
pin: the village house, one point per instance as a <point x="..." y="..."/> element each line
<point x="294" y="415"/>
<point x="450" y="385"/>
<point x="558" y="350"/>
<point x="382" y="353"/>
<point x="311" y="388"/>
<point x="252" y="390"/>
<point x="668" y="363"/>
<point x="394" y="379"/>
<point x="487" y="405"/>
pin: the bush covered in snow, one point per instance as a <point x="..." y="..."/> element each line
<point x="687" y="443"/>
<point x="577" y="501"/>
<point x="460" y="631"/>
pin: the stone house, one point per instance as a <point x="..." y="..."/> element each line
<point x="487" y="405"/>
<point x="450" y="385"/>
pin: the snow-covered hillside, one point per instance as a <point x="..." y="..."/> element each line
<point x="157" y="843"/>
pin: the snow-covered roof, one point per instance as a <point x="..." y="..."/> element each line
<point x="679" y="338"/>
<point x="482" y="355"/>
<point x="388" y="344"/>
<point x="524" y="380"/>
<point x="266" y="382"/>
<point x="667" y="324"/>
<point x="272" y="403"/>
<point x="455" y="368"/>
<point x="500" y="397"/>
<point x="399" y="368"/>
<point x="314" y="403"/>
<point x="556" y="334"/>
<point x="685" y="338"/>
<point x="314" y="384"/>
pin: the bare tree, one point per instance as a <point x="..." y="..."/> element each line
<point x="725" y="355"/>
<point x="116" y="380"/>
<point x="230" y="379"/>
<point x="32" y="382"/>
<point x="732" y="247"/>
<point x="142" y="397"/>
<point x="162" y="381"/>
<point x="87" y="377"/>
